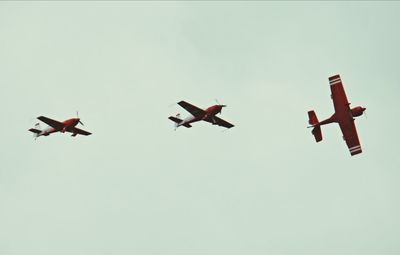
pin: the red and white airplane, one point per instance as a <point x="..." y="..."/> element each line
<point x="198" y="114"/>
<point x="56" y="126"/>
<point x="344" y="116"/>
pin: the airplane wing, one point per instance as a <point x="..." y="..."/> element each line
<point x="51" y="122"/>
<point x="218" y="121"/>
<point x="338" y="94"/>
<point x="75" y="131"/>
<point x="350" y="135"/>
<point x="194" y="110"/>
<point x="343" y="115"/>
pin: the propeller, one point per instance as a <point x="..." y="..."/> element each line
<point x="79" y="120"/>
<point x="222" y="105"/>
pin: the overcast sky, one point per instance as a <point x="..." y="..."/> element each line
<point x="136" y="186"/>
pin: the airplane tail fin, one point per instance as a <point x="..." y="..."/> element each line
<point x="313" y="121"/>
<point x="177" y="121"/>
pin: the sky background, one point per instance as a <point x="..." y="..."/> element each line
<point x="136" y="186"/>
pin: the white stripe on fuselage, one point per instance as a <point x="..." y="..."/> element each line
<point x="47" y="130"/>
<point x="187" y="120"/>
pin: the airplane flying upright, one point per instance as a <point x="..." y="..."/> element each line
<point x="198" y="114"/>
<point x="56" y="126"/>
<point x="344" y="116"/>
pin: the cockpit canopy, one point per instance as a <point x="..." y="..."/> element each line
<point x="357" y="111"/>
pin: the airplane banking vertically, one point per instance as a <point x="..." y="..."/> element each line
<point x="344" y="116"/>
<point x="198" y="114"/>
<point x="56" y="126"/>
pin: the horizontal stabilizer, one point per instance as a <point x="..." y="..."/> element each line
<point x="313" y="121"/>
<point x="312" y="118"/>
<point x="36" y="131"/>
<point x="317" y="133"/>
<point x="175" y="119"/>
<point x="178" y="121"/>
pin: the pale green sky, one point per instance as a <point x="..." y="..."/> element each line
<point x="137" y="187"/>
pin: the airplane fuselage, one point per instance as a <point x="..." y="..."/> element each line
<point x="68" y="124"/>
<point x="336" y="117"/>
<point x="209" y="112"/>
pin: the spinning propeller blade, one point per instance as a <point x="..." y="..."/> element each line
<point x="79" y="120"/>
<point x="222" y="105"/>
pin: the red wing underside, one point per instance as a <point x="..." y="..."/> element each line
<point x="350" y="135"/>
<point x="343" y="115"/>
<point x="338" y="94"/>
